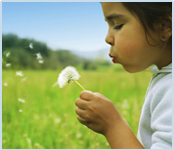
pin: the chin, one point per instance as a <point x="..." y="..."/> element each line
<point x="132" y="69"/>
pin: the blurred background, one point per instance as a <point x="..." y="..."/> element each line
<point x="69" y="33"/>
<point x="39" y="39"/>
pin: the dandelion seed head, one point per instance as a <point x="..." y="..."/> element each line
<point x="19" y="73"/>
<point x="68" y="75"/>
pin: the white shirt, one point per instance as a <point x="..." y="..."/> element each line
<point x="155" y="126"/>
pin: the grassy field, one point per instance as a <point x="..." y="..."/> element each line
<point x="47" y="118"/>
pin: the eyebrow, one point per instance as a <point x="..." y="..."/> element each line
<point x="114" y="16"/>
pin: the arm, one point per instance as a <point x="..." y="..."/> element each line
<point x="122" y="137"/>
<point x="99" y="114"/>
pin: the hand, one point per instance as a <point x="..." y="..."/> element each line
<point x="97" y="112"/>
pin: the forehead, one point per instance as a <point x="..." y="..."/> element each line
<point x="110" y="8"/>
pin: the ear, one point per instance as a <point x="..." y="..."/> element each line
<point x="166" y="28"/>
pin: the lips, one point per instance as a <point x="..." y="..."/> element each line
<point x="114" y="60"/>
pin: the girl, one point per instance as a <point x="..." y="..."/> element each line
<point x="140" y="34"/>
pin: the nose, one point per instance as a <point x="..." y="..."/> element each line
<point x="109" y="39"/>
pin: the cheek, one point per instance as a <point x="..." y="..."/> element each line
<point x="126" y="47"/>
<point x="129" y="44"/>
<point x="131" y="39"/>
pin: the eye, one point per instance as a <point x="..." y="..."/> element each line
<point x="118" y="27"/>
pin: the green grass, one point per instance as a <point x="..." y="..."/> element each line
<point x="48" y="118"/>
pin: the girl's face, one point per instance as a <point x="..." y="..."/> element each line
<point x="128" y="41"/>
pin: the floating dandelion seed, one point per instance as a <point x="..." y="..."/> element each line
<point x="31" y="45"/>
<point x="21" y="100"/>
<point x="22" y="80"/>
<point x="20" y="110"/>
<point x="57" y="120"/>
<point x="40" y="61"/>
<point x="8" y="54"/>
<point x="8" y="65"/>
<point x="5" y="84"/>
<point x="38" y="56"/>
<point x="78" y="135"/>
<point x="68" y="75"/>
<point x="19" y="73"/>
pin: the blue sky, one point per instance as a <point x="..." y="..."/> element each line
<point x="67" y="25"/>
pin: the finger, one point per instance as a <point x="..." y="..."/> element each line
<point x="80" y="112"/>
<point x="87" y="95"/>
<point x="83" y="114"/>
<point x="99" y="95"/>
<point x="82" y="120"/>
<point x="81" y="103"/>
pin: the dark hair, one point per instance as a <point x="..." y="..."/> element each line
<point x="150" y="13"/>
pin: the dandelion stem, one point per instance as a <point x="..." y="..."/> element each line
<point x="79" y="84"/>
<point x="83" y="90"/>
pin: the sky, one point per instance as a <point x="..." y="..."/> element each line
<point x="76" y="26"/>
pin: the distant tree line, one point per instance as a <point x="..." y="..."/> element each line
<point x="24" y="53"/>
